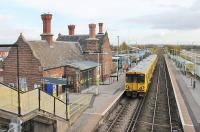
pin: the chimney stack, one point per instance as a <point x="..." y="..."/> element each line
<point x="92" y="30"/>
<point x="46" y="18"/>
<point x="100" y="28"/>
<point x="71" y="29"/>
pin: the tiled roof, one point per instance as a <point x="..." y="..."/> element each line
<point x="59" y="54"/>
<point x="84" y="65"/>
<point x="4" y="49"/>
<point x="80" y="38"/>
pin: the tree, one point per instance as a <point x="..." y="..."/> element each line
<point x="123" y="48"/>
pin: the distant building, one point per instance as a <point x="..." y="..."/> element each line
<point x="46" y="58"/>
<point x="91" y="44"/>
<point x="4" y="52"/>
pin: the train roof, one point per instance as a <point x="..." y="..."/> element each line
<point x="143" y="65"/>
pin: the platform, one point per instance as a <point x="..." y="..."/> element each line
<point x="187" y="106"/>
<point x="108" y="95"/>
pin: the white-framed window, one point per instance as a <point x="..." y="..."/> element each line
<point x="23" y="84"/>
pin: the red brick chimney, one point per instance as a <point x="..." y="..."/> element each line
<point x="100" y="28"/>
<point x="92" y="30"/>
<point x="46" y="18"/>
<point x="71" y="29"/>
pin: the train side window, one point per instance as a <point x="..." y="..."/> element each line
<point x="140" y="78"/>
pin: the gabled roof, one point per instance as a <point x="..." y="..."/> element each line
<point x="80" y="38"/>
<point x="59" y="54"/>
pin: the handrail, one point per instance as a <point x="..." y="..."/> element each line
<point x="14" y="88"/>
<point x="31" y="102"/>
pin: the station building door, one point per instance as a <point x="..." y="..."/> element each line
<point x="86" y="79"/>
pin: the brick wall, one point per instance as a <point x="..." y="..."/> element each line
<point x="1" y="75"/>
<point x="55" y="72"/>
<point x="104" y="59"/>
<point x="107" y="59"/>
<point x="28" y="65"/>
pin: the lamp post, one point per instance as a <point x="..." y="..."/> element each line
<point x="118" y="59"/>
<point x="194" y="81"/>
<point x="98" y="76"/>
<point x="18" y="87"/>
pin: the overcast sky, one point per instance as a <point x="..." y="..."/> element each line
<point x="141" y="21"/>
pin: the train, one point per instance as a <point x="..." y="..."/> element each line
<point x="139" y="77"/>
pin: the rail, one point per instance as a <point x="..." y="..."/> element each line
<point x="168" y="101"/>
<point x="154" y="112"/>
<point x="117" y="117"/>
<point x="135" y="115"/>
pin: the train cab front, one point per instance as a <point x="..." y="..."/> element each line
<point x="135" y="85"/>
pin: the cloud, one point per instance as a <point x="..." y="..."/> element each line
<point x="179" y="18"/>
<point x="4" y="17"/>
<point x="145" y="20"/>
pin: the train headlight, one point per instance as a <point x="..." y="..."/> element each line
<point x="141" y="88"/>
<point x="127" y="86"/>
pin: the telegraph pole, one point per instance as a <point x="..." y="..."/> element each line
<point x="118" y="59"/>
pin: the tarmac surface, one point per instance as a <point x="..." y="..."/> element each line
<point x="101" y="102"/>
<point x="190" y="95"/>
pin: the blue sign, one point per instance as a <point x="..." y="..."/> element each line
<point x="57" y="81"/>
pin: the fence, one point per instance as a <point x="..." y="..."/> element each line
<point x="39" y="100"/>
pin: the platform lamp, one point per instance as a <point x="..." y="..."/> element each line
<point x="118" y="59"/>
<point x="98" y="76"/>
<point x="18" y="87"/>
<point x="194" y="82"/>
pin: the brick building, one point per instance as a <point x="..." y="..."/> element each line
<point x="4" y="52"/>
<point x="92" y="44"/>
<point x="48" y="58"/>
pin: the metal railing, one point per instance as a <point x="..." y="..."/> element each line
<point x="39" y="100"/>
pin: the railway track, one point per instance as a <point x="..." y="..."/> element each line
<point x="156" y="113"/>
<point x="120" y="117"/>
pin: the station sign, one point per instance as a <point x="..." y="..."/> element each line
<point x="57" y="81"/>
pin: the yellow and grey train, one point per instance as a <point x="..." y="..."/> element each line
<point x="139" y="77"/>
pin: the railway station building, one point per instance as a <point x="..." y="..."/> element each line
<point x="94" y="47"/>
<point x="38" y="59"/>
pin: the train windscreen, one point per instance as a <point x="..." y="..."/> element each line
<point x="135" y="78"/>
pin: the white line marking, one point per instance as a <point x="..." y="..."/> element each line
<point x="90" y="113"/>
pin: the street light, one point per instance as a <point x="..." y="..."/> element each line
<point x="118" y="59"/>
<point x="194" y="81"/>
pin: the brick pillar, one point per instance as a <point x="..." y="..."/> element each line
<point x="71" y="29"/>
<point x="46" y="35"/>
<point x="100" y="28"/>
<point x="92" y="30"/>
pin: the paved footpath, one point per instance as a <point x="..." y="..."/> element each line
<point x="108" y="94"/>
<point x="191" y="95"/>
